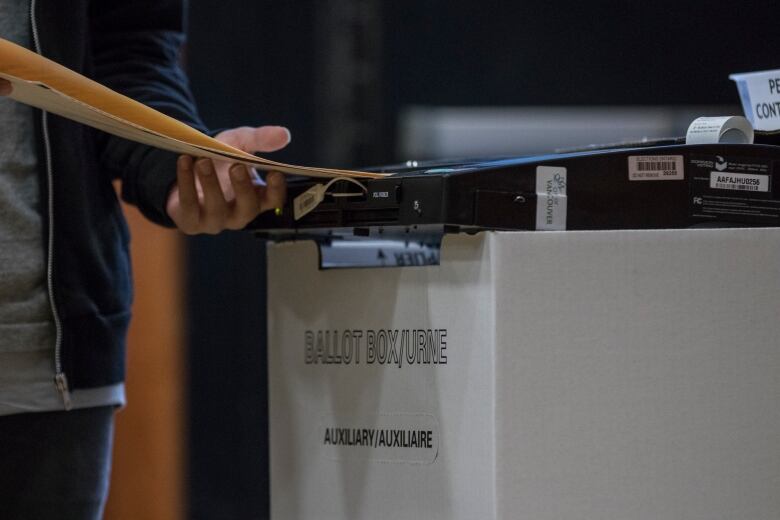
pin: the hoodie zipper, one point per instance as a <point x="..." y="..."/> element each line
<point x="60" y="379"/>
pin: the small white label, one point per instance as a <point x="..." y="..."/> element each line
<point x="655" y="167"/>
<point x="739" y="181"/>
<point x="760" y="94"/>
<point x="550" y="198"/>
<point x="400" y="438"/>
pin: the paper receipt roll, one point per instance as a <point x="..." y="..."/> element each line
<point x="714" y="130"/>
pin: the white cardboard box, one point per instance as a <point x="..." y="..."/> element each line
<point x="616" y="375"/>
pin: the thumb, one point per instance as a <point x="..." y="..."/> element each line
<point x="267" y="139"/>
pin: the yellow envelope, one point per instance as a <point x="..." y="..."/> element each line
<point x="42" y="83"/>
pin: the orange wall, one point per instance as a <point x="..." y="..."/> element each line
<point x="147" y="476"/>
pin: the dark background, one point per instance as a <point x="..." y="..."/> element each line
<point x="337" y="73"/>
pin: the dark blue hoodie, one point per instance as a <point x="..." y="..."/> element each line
<point x="133" y="47"/>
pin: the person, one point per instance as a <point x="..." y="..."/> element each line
<point x="65" y="282"/>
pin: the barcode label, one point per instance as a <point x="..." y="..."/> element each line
<point x="645" y="166"/>
<point x="655" y="167"/>
<point x="724" y="186"/>
<point x="739" y="181"/>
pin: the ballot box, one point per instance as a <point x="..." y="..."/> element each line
<point x="603" y="375"/>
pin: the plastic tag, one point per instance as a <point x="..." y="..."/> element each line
<point x="308" y="200"/>
<point x="311" y="198"/>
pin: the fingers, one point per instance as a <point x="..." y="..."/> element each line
<point x="208" y="210"/>
<point x="214" y="216"/>
<point x="252" y="199"/>
<point x="188" y="193"/>
<point x="275" y="192"/>
<point x="182" y="206"/>
<point x="247" y="203"/>
<point x="5" y="87"/>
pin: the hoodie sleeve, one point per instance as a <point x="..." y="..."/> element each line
<point x="136" y="47"/>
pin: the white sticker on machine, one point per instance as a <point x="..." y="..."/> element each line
<point x="655" y="167"/>
<point x="739" y="181"/>
<point x="550" y="198"/>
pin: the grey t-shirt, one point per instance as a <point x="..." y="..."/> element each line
<point x="27" y="333"/>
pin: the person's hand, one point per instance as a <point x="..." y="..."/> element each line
<point x="5" y="87"/>
<point x="211" y="196"/>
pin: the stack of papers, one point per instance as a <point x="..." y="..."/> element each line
<point x="47" y="85"/>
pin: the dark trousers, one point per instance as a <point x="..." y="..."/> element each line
<point x="55" y="464"/>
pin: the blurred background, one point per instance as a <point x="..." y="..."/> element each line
<point x="366" y="82"/>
